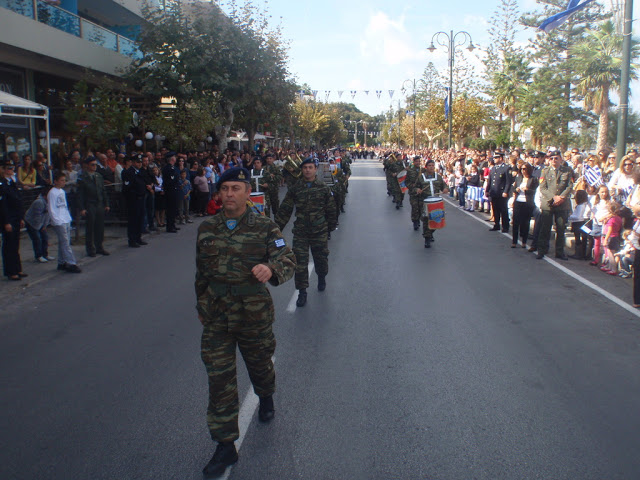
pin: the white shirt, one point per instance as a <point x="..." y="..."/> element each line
<point x="58" y="209"/>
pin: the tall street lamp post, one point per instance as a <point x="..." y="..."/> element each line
<point x="450" y="45"/>
<point x="413" y="84"/>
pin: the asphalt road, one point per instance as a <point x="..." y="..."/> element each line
<point x="466" y="361"/>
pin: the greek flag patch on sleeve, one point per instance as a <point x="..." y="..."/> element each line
<point x="280" y="243"/>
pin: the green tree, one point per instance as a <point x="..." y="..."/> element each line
<point x="597" y="60"/>
<point x="510" y="86"/>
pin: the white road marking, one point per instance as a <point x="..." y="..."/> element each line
<point x="571" y="273"/>
<point x="292" y="303"/>
<point x="247" y="410"/>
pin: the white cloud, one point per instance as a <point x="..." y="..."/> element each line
<point x="387" y="40"/>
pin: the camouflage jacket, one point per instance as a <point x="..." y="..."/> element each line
<point x="225" y="258"/>
<point x="423" y="183"/>
<point x="412" y="176"/>
<point x="397" y="166"/>
<point x="315" y="207"/>
<point x="274" y="177"/>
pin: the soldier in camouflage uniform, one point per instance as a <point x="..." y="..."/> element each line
<point x="386" y="164"/>
<point x="274" y="178"/>
<point x="395" y="168"/>
<point x="315" y="219"/>
<point x="237" y="252"/>
<point x="422" y="188"/>
<point x="414" y="199"/>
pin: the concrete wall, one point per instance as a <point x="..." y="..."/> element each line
<point x="24" y="33"/>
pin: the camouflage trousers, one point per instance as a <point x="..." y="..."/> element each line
<point x="273" y="201"/>
<point x="416" y="207"/>
<point x="426" y="231"/>
<point x="319" y="245"/>
<point x="396" y="191"/>
<point x="246" y="324"/>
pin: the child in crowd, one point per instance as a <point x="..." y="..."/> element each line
<point x="215" y="204"/>
<point x="625" y="257"/>
<point x="611" y="238"/>
<point x="61" y="222"/>
<point x="578" y="218"/>
<point x="185" y="198"/>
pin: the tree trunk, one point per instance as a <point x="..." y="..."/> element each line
<point x="251" y="132"/>
<point x="225" y="109"/>
<point x="603" y="128"/>
<point x="512" y="133"/>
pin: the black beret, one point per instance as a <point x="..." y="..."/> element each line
<point x="235" y="174"/>
<point x="308" y="160"/>
<point x="169" y="154"/>
<point x="431" y="160"/>
<point x="258" y="157"/>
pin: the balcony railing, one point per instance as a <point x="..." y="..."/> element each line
<point x="45" y="12"/>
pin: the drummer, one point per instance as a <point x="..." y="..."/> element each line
<point x="429" y="184"/>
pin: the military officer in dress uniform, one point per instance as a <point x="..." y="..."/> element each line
<point x="556" y="183"/>
<point x="237" y="253"/>
<point x="171" y="187"/>
<point x="498" y="189"/>
<point x="93" y="203"/>
<point x="429" y="184"/>
<point x="12" y="221"/>
<point x="315" y="219"/>
<point x="134" y="188"/>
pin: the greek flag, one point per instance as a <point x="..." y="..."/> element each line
<point x="559" y="18"/>
<point x="593" y="176"/>
<point x="446" y="106"/>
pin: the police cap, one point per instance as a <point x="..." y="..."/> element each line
<point x="168" y="155"/>
<point x="235" y="174"/>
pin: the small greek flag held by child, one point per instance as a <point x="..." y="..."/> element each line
<point x="593" y="176"/>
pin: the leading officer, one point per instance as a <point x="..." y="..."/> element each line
<point x="237" y="253"/>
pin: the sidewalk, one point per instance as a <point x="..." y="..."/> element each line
<point x="115" y="239"/>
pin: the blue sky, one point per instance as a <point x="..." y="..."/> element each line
<point x="377" y="44"/>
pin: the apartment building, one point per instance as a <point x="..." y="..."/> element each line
<point x="46" y="46"/>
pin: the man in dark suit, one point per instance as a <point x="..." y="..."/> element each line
<point x="556" y="183"/>
<point x="171" y="187"/>
<point x="134" y="188"/>
<point x="498" y="189"/>
<point x="93" y="203"/>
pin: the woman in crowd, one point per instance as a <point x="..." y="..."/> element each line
<point x="608" y="166"/>
<point x="201" y="191"/>
<point x="600" y="212"/>
<point x="27" y="172"/>
<point x="622" y="180"/>
<point x="159" y="199"/>
<point x="524" y="189"/>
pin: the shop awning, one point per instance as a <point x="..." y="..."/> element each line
<point x="13" y="106"/>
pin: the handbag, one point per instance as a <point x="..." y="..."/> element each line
<point x="596" y="230"/>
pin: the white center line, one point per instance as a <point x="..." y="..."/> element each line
<point x="292" y="303"/>
<point x="247" y="410"/>
<point x="571" y="273"/>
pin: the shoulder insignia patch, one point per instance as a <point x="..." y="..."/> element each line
<point x="280" y="243"/>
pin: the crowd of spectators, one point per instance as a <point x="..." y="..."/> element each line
<point x="603" y="213"/>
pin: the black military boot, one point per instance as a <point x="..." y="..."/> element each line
<point x="322" y="283"/>
<point x="224" y="456"/>
<point x="398" y="206"/>
<point x="342" y="208"/>
<point x="266" y="411"/>
<point x="302" y="298"/>
<point x="427" y="243"/>
<point x="416" y="225"/>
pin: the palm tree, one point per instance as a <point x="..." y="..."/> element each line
<point x="597" y="61"/>
<point x="510" y="85"/>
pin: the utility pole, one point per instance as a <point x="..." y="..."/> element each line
<point x="621" y="141"/>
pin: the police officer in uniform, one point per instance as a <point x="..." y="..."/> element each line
<point x="134" y="188"/>
<point x="171" y="187"/>
<point x="498" y="189"/>
<point x="12" y="222"/>
<point x="315" y="218"/>
<point x="237" y="253"/>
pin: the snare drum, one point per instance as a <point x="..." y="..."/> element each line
<point x="433" y="212"/>
<point x="258" y="201"/>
